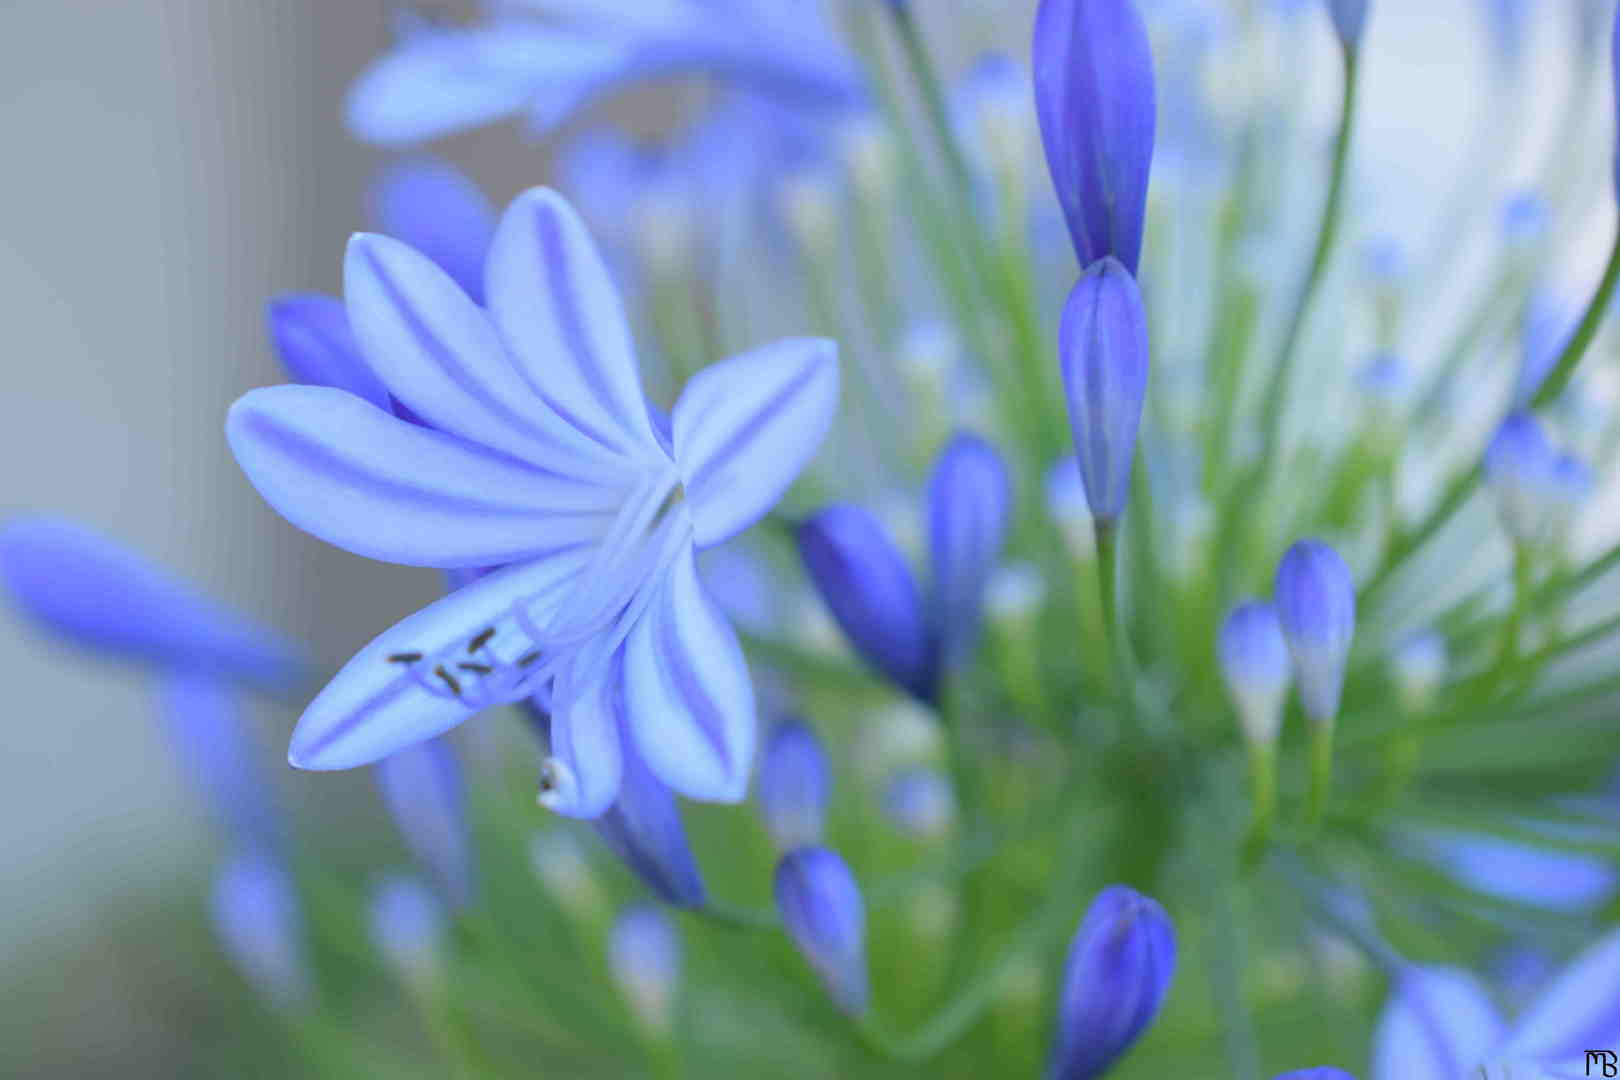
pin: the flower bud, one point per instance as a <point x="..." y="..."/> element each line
<point x="1094" y="96"/>
<point x="1255" y="664"/>
<point x="823" y="913"/>
<point x="644" y="954"/>
<point x="260" y="924"/>
<point x="424" y="792"/>
<point x="644" y="828"/>
<point x="1119" y="968"/>
<point x="1103" y="343"/>
<point x="1418" y="667"/>
<point x="871" y="593"/>
<point x="919" y="802"/>
<point x="1316" y="602"/>
<point x="1529" y="477"/>
<point x="969" y="503"/>
<point x="793" y="786"/>
<point x="408" y="924"/>
<point x="1349" y="20"/>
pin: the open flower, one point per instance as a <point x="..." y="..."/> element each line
<point x="541" y="455"/>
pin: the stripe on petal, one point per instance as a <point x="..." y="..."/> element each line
<point x="422" y="676"/>
<point x="687" y="692"/>
<point x="746" y="426"/>
<point x="355" y="476"/>
<point x="437" y="352"/>
<point x="558" y="311"/>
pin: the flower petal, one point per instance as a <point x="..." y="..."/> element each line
<point x="437" y="209"/>
<point x="203" y="719"/>
<point x="558" y="311"/>
<point x="688" y="697"/>
<point x="423" y="789"/>
<point x="413" y="681"/>
<point x="644" y="828"/>
<point x="436" y="351"/>
<point x="1578" y="1012"/>
<point x="312" y="336"/>
<point x="1439" y="1024"/>
<point x="63" y="575"/>
<point x="746" y="426"/>
<point x="582" y="777"/>
<point x="351" y="474"/>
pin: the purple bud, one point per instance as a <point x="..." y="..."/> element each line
<point x="408" y="925"/>
<point x="1095" y="99"/>
<point x="210" y="736"/>
<point x="1535" y="485"/>
<point x="1119" y="968"/>
<point x="865" y="582"/>
<point x="821" y="908"/>
<point x="1103" y="343"/>
<point x="644" y="954"/>
<point x="260" y="925"/>
<point x="1349" y="20"/>
<point x="434" y="207"/>
<point x="793" y="784"/>
<point x="1316" y="600"/>
<point x="423" y="790"/>
<point x="644" y="828"/>
<point x="311" y="334"/>
<point x="1326" y="1072"/>
<point x="1255" y="664"/>
<point x="920" y="802"/>
<point x="969" y="502"/>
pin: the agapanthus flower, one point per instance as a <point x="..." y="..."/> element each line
<point x="546" y="59"/>
<point x="259" y="921"/>
<point x="541" y="455"/>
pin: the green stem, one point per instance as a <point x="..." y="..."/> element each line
<point x="1591" y="322"/>
<point x="933" y="95"/>
<point x="1107" y="533"/>
<point x="1226" y="978"/>
<point x="1263" y="793"/>
<point x="1321" y="770"/>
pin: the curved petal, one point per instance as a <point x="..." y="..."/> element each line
<point x="581" y="779"/>
<point x="443" y="81"/>
<point x="63" y="574"/>
<point x="438" y="210"/>
<point x="436" y="351"/>
<point x="688" y="697"/>
<point x="1439" y="1024"/>
<point x="421" y="677"/>
<point x="558" y="311"/>
<point x="351" y="474"/>
<point x="311" y="334"/>
<point x="746" y="426"/>
<point x="1580" y="1011"/>
<point x="203" y="719"/>
<point x="644" y="828"/>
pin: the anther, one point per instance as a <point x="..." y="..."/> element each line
<point x="449" y="680"/>
<point x="528" y="658"/>
<point x="481" y="640"/>
<point x="405" y="658"/>
<point x="477" y="669"/>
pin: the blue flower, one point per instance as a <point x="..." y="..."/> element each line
<point x="1441" y="1024"/>
<point x="1537" y="487"/>
<point x="969" y="504"/>
<point x="408" y="925"/>
<point x="259" y="922"/>
<point x="1119" y="968"/>
<point x="1418" y="668"/>
<point x="1255" y="664"/>
<point x="821" y="907"/>
<point x="1093" y="71"/>
<point x="424" y="792"/>
<point x="543" y="457"/>
<point x="644" y="829"/>
<point x="794" y="779"/>
<point x="442" y="79"/>
<point x="644" y="955"/>
<point x="865" y="581"/>
<point x="1103" y="344"/>
<point x="1316" y="601"/>
<point x="1349" y="20"/>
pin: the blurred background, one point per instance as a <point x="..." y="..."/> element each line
<point x="168" y="166"/>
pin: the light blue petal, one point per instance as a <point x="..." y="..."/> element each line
<point x="442" y="81"/>
<point x="368" y="482"/>
<point x="1580" y="1011"/>
<point x="424" y="792"/>
<point x="1438" y="1024"/>
<point x="582" y="778"/>
<point x="207" y="731"/>
<point x="644" y="828"/>
<point x="688" y="696"/>
<point x="437" y="352"/>
<point x="376" y="706"/>
<point x="557" y="310"/>
<point x="746" y="426"/>
<point x="63" y="575"/>
<point x="438" y="210"/>
<point x="311" y="334"/>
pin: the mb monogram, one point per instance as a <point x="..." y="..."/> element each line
<point x="1602" y="1063"/>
